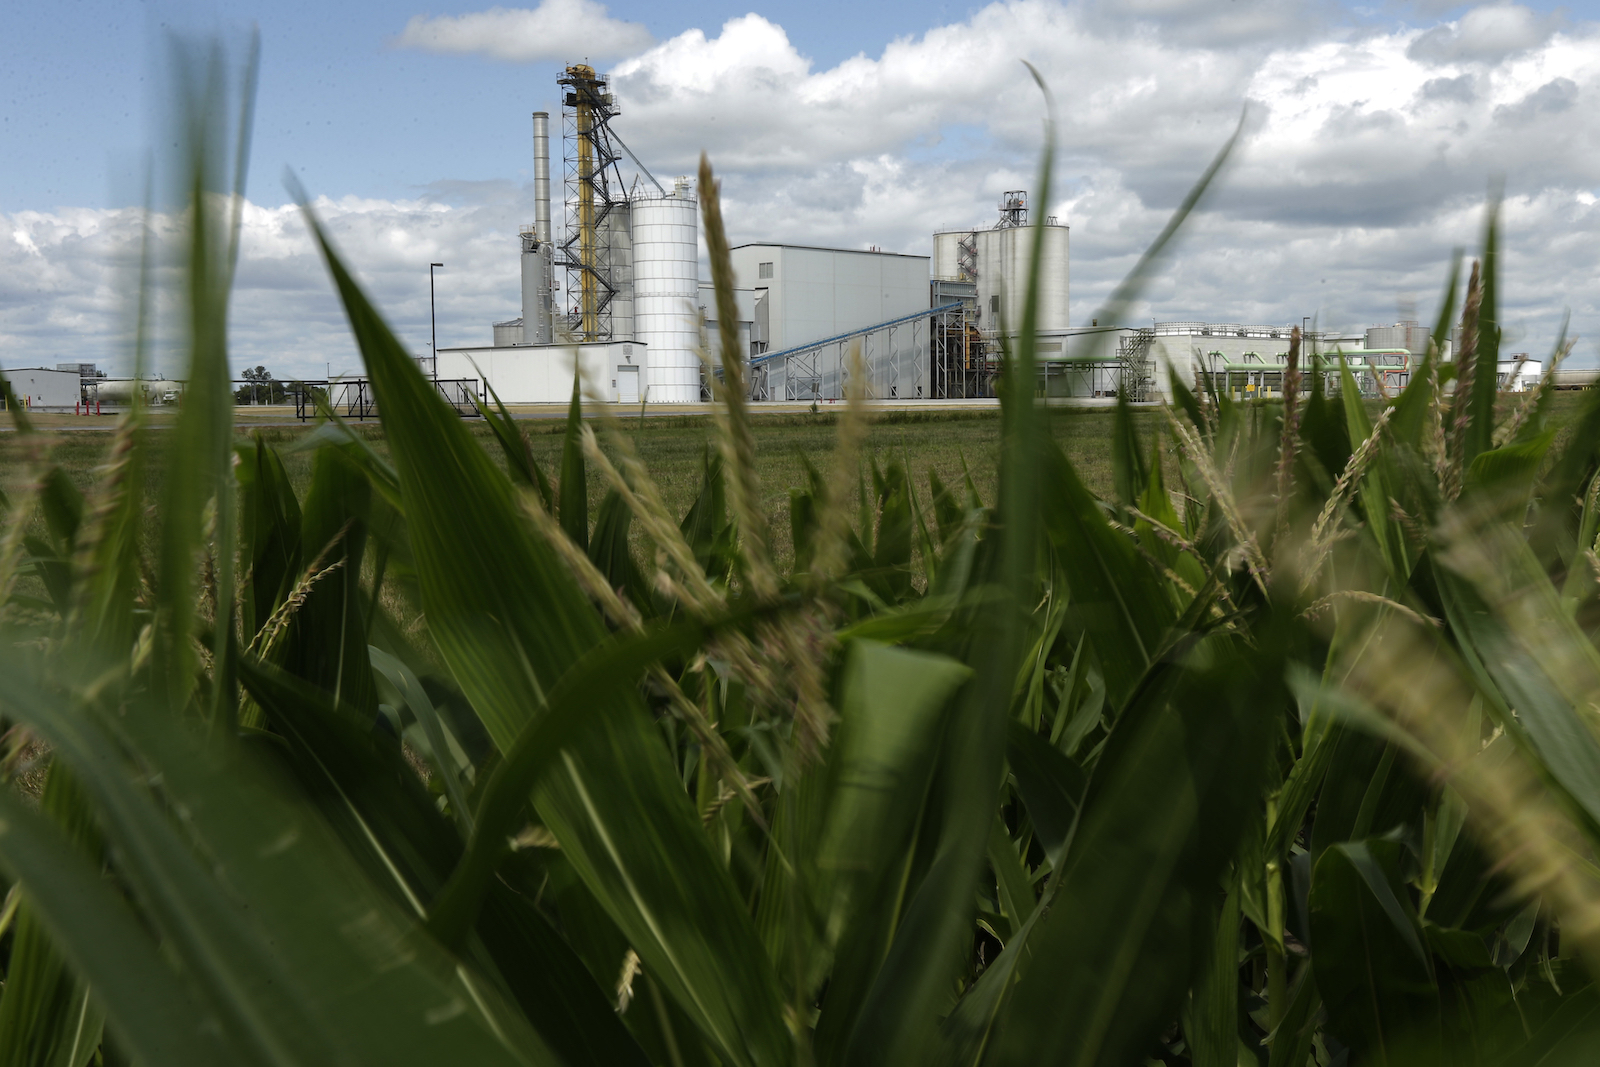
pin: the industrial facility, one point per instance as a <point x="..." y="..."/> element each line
<point x="619" y="295"/>
<point x="619" y="292"/>
<point x="630" y="262"/>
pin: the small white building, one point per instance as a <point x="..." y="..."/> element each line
<point x="1518" y="374"/>
<point x="613" y="371"/>
<point x="44" y="389"/>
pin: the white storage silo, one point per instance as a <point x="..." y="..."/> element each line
<point x="1003" y="261"/>
<point x="666" y="288"/>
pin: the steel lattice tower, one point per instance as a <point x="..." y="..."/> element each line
<point x="594" y="192"/>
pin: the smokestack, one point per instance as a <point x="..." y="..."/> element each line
<point x="538" y="255"/>
<point x="541" y="176"/>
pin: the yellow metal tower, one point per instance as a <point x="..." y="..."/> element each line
<point x="594" y="190"/>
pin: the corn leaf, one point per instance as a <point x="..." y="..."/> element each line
<point x="1214" y="1028"/>
<point x="1374" y="975"/>
<point x="574" y="490"/>
<point x="1110" y="958"/>
<point x="1116" y="597"/>
<point x="379" y="808"/>
<point x="47" y="1017"/>
<point x="104" y="941"/>
<point x="269" y="533"/>
<point x="510" y="621"/>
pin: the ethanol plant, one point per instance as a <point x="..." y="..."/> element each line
<point x="619" y="291"/>
<point x="632" y="314"/>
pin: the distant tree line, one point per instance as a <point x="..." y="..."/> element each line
<point x="260" y="387"/>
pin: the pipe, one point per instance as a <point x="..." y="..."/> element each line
<point x="541" y="176"/>
<point x="538" y="254"/>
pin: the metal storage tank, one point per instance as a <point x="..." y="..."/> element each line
<point x="1409" y="335"/>
<point x="666" y="284"/>
<point x="511" y="331"/>
<point x="616" y="232"/>
<point x="537" y="311"/>
<point x="1003" y="258"/>
<point x="947" y="254"/>
<point x="997" y="260"/>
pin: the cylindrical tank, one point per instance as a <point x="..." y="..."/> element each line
<point x="509" y="333"/>
<point x="154" y="391"/>
<point x="1409" y="335"/>
<point x="537" y="311"/>
<point x="666" y="288"/>
<point x="616" y="235"/>
<point x="946" y="254"/>
<point x="1003" y="261"/>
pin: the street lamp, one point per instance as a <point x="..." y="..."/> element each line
<point x="433" y="318"/>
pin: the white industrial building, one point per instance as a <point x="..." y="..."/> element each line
<point x="1247" y="361"/>
<point x="812" y="306"/>
<point x="803" y="293"/>
<point x="928" y="328"/>
<point x="611" y="370"/>
<point x="744" y="304"/>
<point x="46" y="389"/>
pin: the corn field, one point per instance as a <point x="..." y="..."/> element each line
<point x="1292" y="759"/>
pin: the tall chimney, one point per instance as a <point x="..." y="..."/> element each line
<point x="538" y="255"/>
<point x="541" y="176"/>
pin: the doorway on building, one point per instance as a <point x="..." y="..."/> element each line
<point x="628" y="385"/>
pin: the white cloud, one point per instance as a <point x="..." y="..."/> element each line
<point x="1365" y="166"/>
<point x="74" y="300"/>
<point x="559" y="30"/>
<point x="1488" y="33"/>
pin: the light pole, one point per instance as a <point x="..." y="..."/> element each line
<point x="433" y="318"/>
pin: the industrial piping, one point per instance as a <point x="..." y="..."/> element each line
<point x="541" y="175"/>
<point x="538" y="262"/>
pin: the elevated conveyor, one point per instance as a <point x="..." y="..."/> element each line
<point x="895" y="354"/>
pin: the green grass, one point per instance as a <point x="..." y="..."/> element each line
<point x="943" y="442"/>
<point x="946" y="443"/>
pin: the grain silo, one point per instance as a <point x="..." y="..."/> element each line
<point x="666" y="283"/>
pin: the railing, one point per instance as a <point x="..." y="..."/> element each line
<point x="353" y="398"/>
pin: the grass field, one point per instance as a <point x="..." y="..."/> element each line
<point x="944" y="442"/>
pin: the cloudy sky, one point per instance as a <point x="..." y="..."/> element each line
<point x="1373" y="133"/>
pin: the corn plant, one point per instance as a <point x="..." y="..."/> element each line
<point x="1284" y="754"/>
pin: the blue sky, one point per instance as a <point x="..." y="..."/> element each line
<point x="338" y="100"/>
<point x="1374" y="131"/>
<point x="355" y="114"/>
